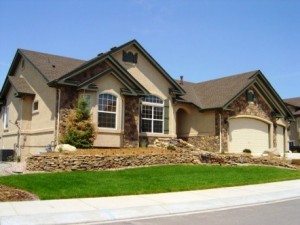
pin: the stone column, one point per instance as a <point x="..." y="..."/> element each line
<point x="131" y="125"/>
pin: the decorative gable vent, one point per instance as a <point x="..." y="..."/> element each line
<point x="251" y="96"/>
<point x="130" y="57"/>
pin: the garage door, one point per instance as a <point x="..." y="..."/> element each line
<point x="280" y="138"/>
<point x="248" y="133"/>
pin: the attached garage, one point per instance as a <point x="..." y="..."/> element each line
<point x="280" y="138"/>
<point x="248" y="133"/>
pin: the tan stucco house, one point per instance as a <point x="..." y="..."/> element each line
<point x="294" y="129"/>
<point x="133" y="99"/>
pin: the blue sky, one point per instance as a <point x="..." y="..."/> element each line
<point x="199" y="39"/>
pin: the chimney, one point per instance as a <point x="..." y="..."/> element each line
<point x="181" y="80"/>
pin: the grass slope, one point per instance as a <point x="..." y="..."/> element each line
<point x="144" y="180"/>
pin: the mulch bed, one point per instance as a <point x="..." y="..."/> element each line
<point x="8" y="194"/>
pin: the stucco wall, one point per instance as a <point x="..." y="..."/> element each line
<point x="37" y="128"/>
<point x="190" y="122"/>
<point x="9" y="135"/>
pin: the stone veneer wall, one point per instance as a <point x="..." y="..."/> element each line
<point x="206" y="143"/>
<point x="131" y="126"/>
<point x="51" y="163"/>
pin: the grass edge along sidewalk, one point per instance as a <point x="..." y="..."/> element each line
<point x="146" y="180"/>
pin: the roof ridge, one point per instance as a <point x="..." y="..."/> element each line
<point x="48" y="54"/>
<point x="230" y="76"/>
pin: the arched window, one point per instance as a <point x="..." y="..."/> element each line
<point x="107" y="111"/>
<point x="152" y="115"/>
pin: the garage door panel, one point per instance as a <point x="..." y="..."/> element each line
<point x="248" y="133"/>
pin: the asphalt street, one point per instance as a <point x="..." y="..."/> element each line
<point x="284" y="212"/>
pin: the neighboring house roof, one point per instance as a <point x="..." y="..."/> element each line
<point x="294" y="102"/>
<point x="216" y="93"/>
<point x="21" y="86"/>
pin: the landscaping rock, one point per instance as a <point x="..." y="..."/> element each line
<point x="64" y="147"/>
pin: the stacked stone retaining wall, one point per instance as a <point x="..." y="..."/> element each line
<point x="51" y="163"/>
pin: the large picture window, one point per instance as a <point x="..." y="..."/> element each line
<point x="152" y="115"/>
<point x="107" y="111"/>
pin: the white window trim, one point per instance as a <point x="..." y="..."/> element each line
<point x="35" y="111"/>
<point x="116" y="114"/>
<point x="154" y="104"/>
<point x="5" y="117"/>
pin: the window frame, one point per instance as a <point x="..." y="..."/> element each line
<point x="154" y="102"/>
<point x="5" y="117"/>
<point x="33" y="104"/>
<point x="115" y="106"/>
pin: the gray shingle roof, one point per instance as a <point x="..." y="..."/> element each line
<point x="51" y="66"/>
<point x="20" y="85"/>
<point x="216" y="93"/>
<point x="293" y="101"/>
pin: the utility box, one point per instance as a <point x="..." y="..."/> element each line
<point x="7" y="155"/>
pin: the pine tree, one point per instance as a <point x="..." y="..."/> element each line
<point x="80" y="131"/>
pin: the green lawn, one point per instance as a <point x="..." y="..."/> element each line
<point x="144" y="180"/>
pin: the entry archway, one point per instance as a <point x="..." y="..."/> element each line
<point x="182" y="123"/>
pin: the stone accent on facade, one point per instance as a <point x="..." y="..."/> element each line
<point x="131" y="125"/>
<point x="257" y="108"/>
<point x="90" y="73"/>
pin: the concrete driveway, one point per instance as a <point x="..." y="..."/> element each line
<point x="4" y="168"/>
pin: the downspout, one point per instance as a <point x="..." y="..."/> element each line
<point x="2" y="127"/>
<point x="20" y="126"/>
<point x="220" y="132"/>
<point x="58" y="117"/>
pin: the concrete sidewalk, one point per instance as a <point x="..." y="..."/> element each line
<point x="89" y="210"/>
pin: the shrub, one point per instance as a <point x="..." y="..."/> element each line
<point x="246" y="150"/>
<point x="144" y="143"/>
<point x="80" y="131"/>
<point x="171" y="147"/>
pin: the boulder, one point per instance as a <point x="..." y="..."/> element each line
<point x="64" y="147"/>
<point x="271" y="152"/>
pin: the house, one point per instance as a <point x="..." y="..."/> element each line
<point x="294" y="129"/>
<point x="133" y="99"/>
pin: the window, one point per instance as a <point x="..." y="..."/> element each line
<point x="88" y="100"/>
<point x="107" y="111"/>
<point x="5" y="117"/>
<point x="152" y="115"/>
<point x="35" y="106"/>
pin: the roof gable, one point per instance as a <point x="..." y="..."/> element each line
<point x="176" y="87"/>
<point x="217" y="93"/>
<point x="21" y="86"/>
<point x="220" y="93"/>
